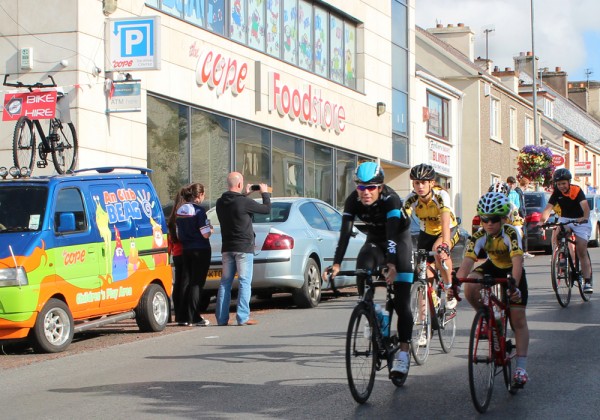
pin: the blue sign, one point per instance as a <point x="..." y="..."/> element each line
<point x="132" y="44"/>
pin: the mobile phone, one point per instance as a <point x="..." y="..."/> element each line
<point x="255" y="187"/>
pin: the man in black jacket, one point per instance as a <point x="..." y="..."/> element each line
<point x="234" y="210"/>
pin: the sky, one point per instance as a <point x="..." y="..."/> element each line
<point x="566" y="33"/>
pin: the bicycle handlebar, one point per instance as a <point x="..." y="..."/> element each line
<point x="488" y="280"/>
<point x="425" y="253"/>
<point x="378" y="271"/>
<point x="37" y="85"/>
<point x="550" y="225"/>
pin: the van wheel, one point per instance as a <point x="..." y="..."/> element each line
<point x="153" y="311"/>
<point x="309" y="295"/>
<point x="53" y="329"/>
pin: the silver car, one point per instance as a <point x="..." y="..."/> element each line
<point x="294" y="243"/>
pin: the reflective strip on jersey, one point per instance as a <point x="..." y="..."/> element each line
<point x="404" y="277"/>
<point x="393" y="213"/>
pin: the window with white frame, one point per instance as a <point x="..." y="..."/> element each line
<point x="548" y="108"/>
<point x="528" y="130"/>
<point x="437" y="124"/>
<point x="495" y="118"/>
<point x="512" y="121"/>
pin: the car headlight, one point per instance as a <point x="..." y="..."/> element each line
<point x="13" y="277"/>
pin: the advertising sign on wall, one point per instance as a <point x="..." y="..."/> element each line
<point x="132" y="44"/>
<point x="583" y="168"/>
<point x="439" y="157"/>
<point x="35" y="105"/>
<point x="125" y="97"/>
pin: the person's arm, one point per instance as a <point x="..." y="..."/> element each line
<point x="586" y="210"/>
<point x="517" y="267"/>
<point x="546" y="213"/>
<point x="465" y="268"/>
<point x="264" y="208"/>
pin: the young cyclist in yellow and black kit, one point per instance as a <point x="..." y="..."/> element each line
<point x="503" y="246"/>
<point x="439" y="229"/>
<point x="573" y="207"/>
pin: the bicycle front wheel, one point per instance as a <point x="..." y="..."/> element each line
<point x="509" y="366"/>
<point x="447" y="328"/>
<point x="421" y="333"/>
<point x="361" y="353"/>
<point x="482" y="365"/>
<point x="561" y="278"/>
<point x="24" y="144"/>
<point x="585" y="296"/>
<point x="65" y="149"/>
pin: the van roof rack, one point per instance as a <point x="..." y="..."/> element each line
<point x="109" y="169"/>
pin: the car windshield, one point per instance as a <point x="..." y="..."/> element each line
<point x="533" y="200"/>
<point x="279" y="213"/>
<point x="22" y="208"/>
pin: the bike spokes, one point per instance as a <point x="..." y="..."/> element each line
<point x="482" y="365"/>
<point x="361" y="354"/>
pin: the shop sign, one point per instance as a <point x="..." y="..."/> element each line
<point x="35" y="105"/>
<point x="306" y="104"/>
<point x="221" y="73"/>
<point x="133" y="44"/>
<point x="125" y="97"/>
<point x="583" y="168"/>
<point x="439" y="156"/>
<point x="558" y="160"/>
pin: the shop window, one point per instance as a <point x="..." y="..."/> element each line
<point x="256" y="24"/>
<point x="287" y="166"/>
<point x="345" y="165"/>
<point x="321" y="42"/>
<point x="252" y="146"/>
<point x="319" y="174"/>
<point x="290" y="31"/>
<point x="336" y="49"/>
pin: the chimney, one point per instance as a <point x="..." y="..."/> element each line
<point x="460" y="37"/>
<point x="557" y="80"/>
<point x="523" y="63"/>
<point x="483" y="64"/>
<point x="509" y="78"/>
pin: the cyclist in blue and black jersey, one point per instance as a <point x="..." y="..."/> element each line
<point x="388" y="242"/>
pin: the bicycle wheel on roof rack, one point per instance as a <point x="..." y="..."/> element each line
<point x="64" y="146"/>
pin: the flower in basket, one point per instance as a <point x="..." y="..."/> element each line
<point x="535" y="163"/>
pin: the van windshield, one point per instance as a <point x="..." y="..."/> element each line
<point x="22" y="208"/>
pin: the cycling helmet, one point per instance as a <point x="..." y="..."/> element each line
<point x="500" y="187"/>
<point x="422" y="172"/>
<point x="493" y="204"/>
<point x="368" y="173"/>
<point x="561" y="174"/>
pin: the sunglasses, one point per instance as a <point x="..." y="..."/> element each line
<point x="371" y="187"/>
<point x="493" y="219"/>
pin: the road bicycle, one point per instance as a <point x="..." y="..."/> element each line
<point x="565" y="269"/>
<point x="61" y="141"/>
<point x="428" y="306"/>
<point x="370" y="346"/>
<point x="490" y="351"/>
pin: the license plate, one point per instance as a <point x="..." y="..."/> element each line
<point x="214" y="274"/>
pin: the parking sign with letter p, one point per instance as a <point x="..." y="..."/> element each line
<point x="132" y="44"/>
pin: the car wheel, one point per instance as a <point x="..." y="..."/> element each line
<point x="153" y="311"/>
<point x="53" y="329"/>
<point x="264" y="295"/>
<point x="309" y="295"/>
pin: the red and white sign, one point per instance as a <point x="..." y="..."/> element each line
<point x="35" y="105"/>
<point x="583" y="168"/>
<point x="307" y="105"/>
<point x="221" y="73"/>
<point x="558" y="160"/>
<point x="439" y="156"/>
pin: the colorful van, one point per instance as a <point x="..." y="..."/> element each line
<point x="81" y="250"/>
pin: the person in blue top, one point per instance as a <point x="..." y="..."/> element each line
<point x="193" y="231"/>
<point x="388" y="242"/>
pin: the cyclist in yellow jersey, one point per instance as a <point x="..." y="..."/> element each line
<point x="439" y="228"/>
<point x="503" y="246"/>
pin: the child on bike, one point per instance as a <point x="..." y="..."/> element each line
<point x="439" y="227"/>
<point x="388" y="242"/>
<point x="573" y="207"/>
<point x="503" y="246"/>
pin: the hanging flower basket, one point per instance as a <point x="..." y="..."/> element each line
<point x="535" y="163"/>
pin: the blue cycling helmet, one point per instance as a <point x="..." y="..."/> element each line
<point x="368" y="173"/>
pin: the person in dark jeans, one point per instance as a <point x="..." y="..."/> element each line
<point x="234" y="210"/>
<point x="193" y="231"/>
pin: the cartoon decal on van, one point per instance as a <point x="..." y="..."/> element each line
<point x="102" y="223"/>
<point x="120" y="261"/>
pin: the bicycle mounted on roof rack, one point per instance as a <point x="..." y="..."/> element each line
<point x="61" y="141"/>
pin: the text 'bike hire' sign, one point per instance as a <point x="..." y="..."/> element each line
<point x="34" y="105"/>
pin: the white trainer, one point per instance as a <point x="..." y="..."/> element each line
<point x="451" y="303"/>
<point x="422" y="339"/>
<point x="400" y="365"/>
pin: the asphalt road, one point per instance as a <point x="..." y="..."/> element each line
<point x="291" y="365"/>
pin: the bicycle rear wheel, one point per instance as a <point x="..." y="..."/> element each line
<point x="585" y="296"/>
<point x="361" y="353"/>
<point x="421" y="333"/>
<point x="482" y="366"/>
<point x="561" y="278"/>
<point x="24" y="144"/>
<point x="447" y="328"/>
<point x="65" y="149"/>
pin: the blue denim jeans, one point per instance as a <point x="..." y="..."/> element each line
<point x="241" y="263"/>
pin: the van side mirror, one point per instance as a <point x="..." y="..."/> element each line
<point x="66" y="222"/>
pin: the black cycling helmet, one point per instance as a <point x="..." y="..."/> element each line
<point x="561" y="174"/>
<point x="368" y="173"/>
<point x="422" y="172"/>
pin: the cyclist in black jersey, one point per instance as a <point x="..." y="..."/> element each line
<point x="388" y="242"/>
